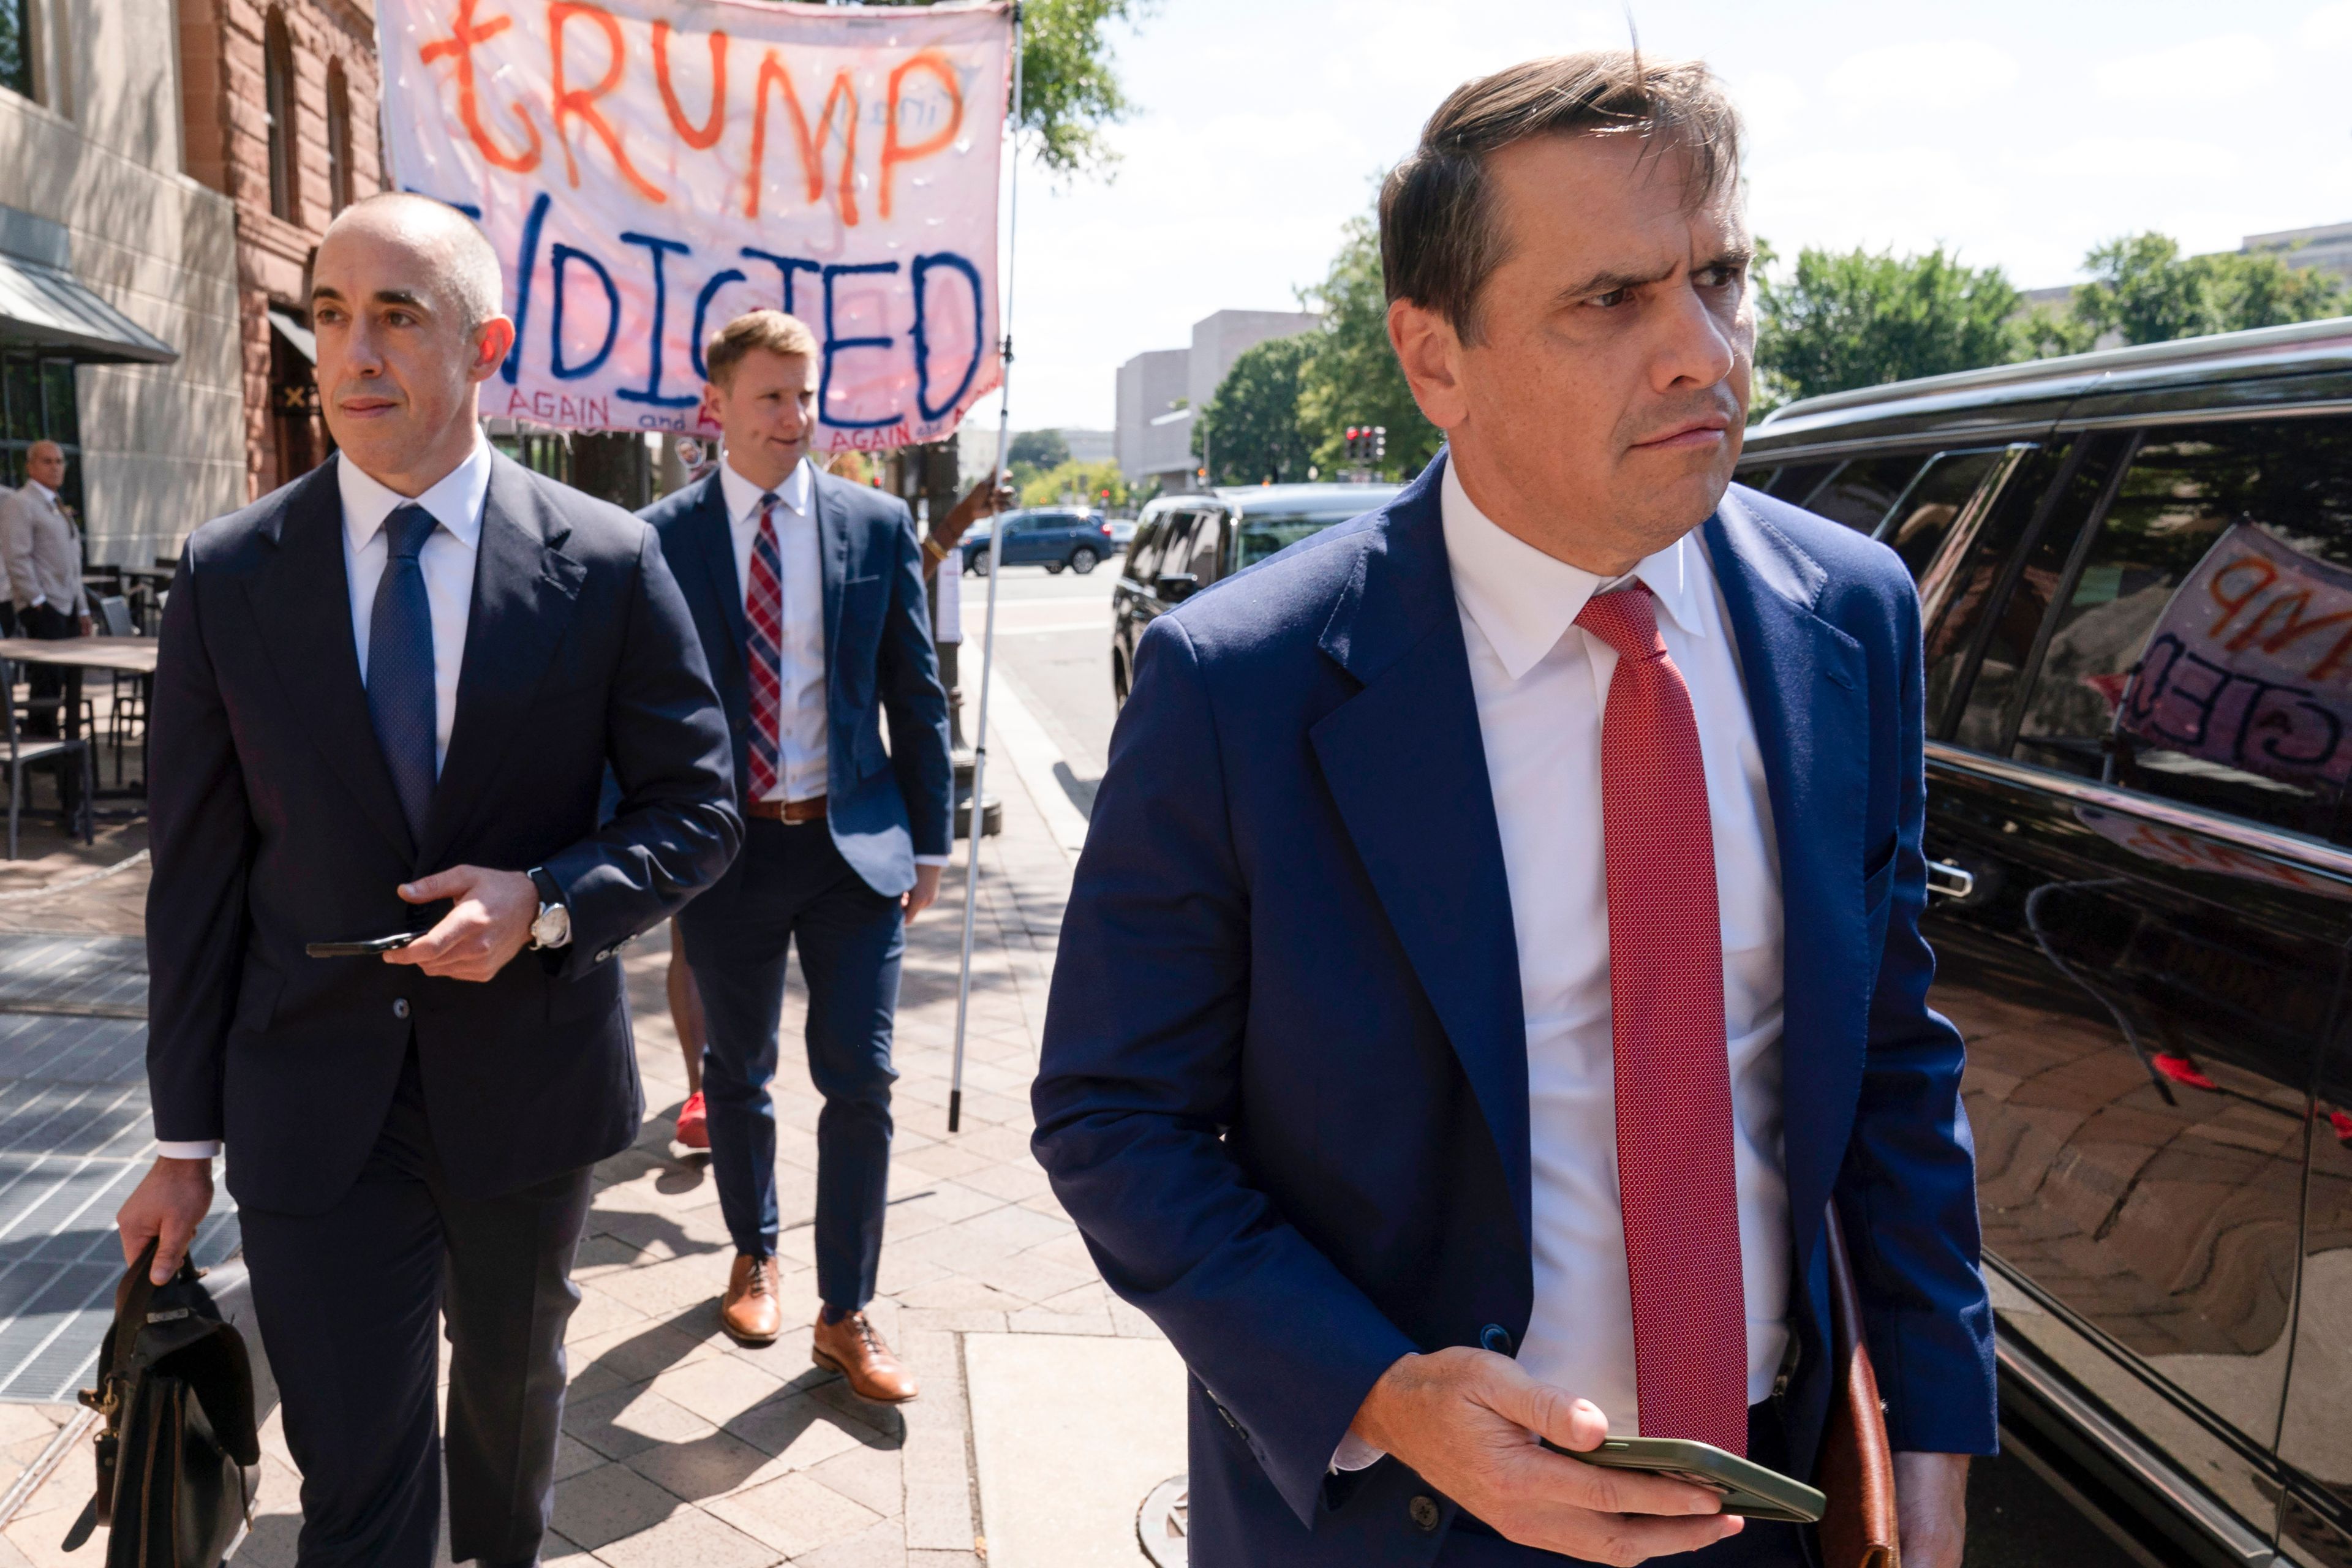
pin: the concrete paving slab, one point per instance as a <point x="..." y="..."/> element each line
<point x="1069" y="1434"/>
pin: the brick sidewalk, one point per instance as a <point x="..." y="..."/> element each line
<point x="684" y="1448"/>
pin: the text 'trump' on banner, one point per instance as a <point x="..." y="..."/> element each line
<point x="650" y="169"/>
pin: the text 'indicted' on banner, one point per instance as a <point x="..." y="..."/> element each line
<point x="650" y="169"/>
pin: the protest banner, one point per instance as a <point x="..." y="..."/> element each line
<point x="2250" y="665"/>
<point x="649" y="169"/>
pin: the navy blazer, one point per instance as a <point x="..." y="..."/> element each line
<point x="1285" y="1083"/>
<point x="883" y="808"/>
<point x="275" y="823"/>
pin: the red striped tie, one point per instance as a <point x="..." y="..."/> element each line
<point x="763" y="613"/>
<point x="1675" y="1172"/>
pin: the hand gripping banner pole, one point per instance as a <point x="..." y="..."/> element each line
<point x="977" y="818"/>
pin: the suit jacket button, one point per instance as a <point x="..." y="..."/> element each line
<point x="1424" y="1513"/>
<point x="400" y="1007"/>
<point x="1495" y="1338"/>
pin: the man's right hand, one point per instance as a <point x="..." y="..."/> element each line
<point x="1468" y="1422"/>
<point x="171" y="1201"/>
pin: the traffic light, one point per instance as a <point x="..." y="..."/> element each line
<point x="1367" y="444"/>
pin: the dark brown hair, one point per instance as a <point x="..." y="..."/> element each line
<point x="1438" y="237"/>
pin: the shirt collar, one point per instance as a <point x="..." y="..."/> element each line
<point x="743" y="495"/>
<point x="1524" y="601"/>
<point x="456" y="501"/>
<point x="40" y="491"/>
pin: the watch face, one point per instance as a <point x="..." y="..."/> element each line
<point x="553" y="927"/>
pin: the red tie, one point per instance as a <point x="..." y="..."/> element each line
<point x="1673" y="1073"/>
<point x="763" y="611"/>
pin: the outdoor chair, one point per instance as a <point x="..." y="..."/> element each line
<point x="128" y="693"/>
<point x="25" y="752"/>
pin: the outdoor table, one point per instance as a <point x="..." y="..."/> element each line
<point x="129" y="655"/>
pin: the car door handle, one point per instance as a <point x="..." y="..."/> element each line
<point x="1949" y="880"/>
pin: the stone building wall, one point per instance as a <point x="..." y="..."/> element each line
<point x="225" y="99"/>
<point x="98" y="151"/>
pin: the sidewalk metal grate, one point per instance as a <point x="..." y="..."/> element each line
<point x="75" y="1138"/>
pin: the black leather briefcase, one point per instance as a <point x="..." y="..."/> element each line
<point x="179" y="1449"/>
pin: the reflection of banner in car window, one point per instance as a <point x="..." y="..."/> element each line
<point x="2250" y="665"/>
<point x="2195" y="852"/>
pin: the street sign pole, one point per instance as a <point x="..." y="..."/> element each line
<point x="977" y="817"/>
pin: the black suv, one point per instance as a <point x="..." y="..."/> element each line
<point x="2135" y="576"/>
<point x="1184" y="543"/>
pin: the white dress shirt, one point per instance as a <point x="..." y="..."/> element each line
<point x="1541" y="684"/>
<point x="801" y="752"/>
<point x="447" y="562"/>
<point x="801" y="745"/>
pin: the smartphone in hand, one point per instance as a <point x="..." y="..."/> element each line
<point x="1747" y="1489"/>
<point x="360" y="949"/>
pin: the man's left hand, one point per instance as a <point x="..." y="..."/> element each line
<point x="924" y="893"/>
<point x="1931" y="1508"/>
<point x="87" y="626"/>
<point x="491" y="921"/>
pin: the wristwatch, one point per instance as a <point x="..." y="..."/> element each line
<point x="554" y="926"/>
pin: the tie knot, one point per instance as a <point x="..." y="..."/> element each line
<point x="407" y="529"/>
<point x="1627" y="620"/>
<point x="767" y="501"/>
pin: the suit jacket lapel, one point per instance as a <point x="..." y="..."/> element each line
<point x="303" y="601"/>
<point x="1402" y="759"/>
<point x="710" y="550"/>
<point x="832" y="547"/>
<point x="1806" y="682"/>
<point x="525" y="592"/>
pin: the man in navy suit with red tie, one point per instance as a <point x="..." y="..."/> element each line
<point x="1497" y="947"/>
<point x="807" y="592"/>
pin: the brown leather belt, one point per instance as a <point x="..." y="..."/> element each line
<point x="792" y="811"/>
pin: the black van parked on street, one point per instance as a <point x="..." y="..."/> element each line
<point x="1184" y="543"/>
<point x="2134" y="575"/>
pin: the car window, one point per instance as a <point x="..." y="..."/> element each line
<point x="1920" y="521"/>
<point x="1961" y="584"/>
<point x="1143" y="549"/>
<point x="1176" y="543"/>
<point x="2204" y="648"/>
<point x="1202" y="556"/>
<point x="1262" y="533"/>
<point x="1798" y="480"/>
<point x="1862" y="493"/>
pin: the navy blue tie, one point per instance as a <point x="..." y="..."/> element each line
<point x="400" y="664"/>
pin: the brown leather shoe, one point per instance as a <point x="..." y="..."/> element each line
<point x="750" y="1309"/>
<point x="853" y="1349"/>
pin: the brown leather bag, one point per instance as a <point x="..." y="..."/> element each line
<point x="1857" y="1473"/>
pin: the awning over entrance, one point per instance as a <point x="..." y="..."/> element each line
<point x="298" y="337"/>
<point x="43" y="305"/>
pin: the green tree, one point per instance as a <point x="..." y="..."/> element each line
<point x="1088" y="484"/>
<point x="2144" y="291"/>
<point x="1250" y="432"/>
<point x="1039" y="448"/>
<point x="1070" y="88"/>
<point x="1069" y="81"/>
<point x="1353" y="377"/>
<point x="1846" y="318"/>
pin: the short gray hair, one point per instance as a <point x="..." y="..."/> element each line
<point x="470" y="268"/>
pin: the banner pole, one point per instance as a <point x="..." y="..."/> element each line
<point x="979" y="815"/>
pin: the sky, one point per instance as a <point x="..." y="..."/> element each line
<point x="2020" y="134"/>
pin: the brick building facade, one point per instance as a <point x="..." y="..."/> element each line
<point x="279" y="99"/>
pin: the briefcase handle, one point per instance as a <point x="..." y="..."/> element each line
<point x="1857" y="1471"/>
